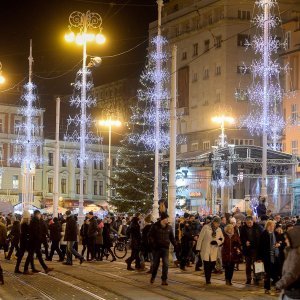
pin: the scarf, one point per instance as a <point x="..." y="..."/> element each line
<point x="274" y="252"/>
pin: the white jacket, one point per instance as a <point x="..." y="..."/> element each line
<point x="209" y="252"/>
<point x="63" y="231"/>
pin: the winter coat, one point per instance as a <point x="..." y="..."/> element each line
<point x="71" y="229"/>
<point x="230" y="249"/>
<point x="92" y="229"/>
<point x="35" y="233"/>
<point x="290" y="280"/>
<point x="3" y="234"/>
<point x="84" y="233"/>
<point x="99" y="237"/>
<point x="107" y="243"/>
<point x="264" y="248"/>
<point x="135" y="235"/>
<point x="25" y="236"/>
<point x="145" y="240"/>
<point x="44" y="230"/>
<point x="63" y="232"/>
<point x="208" y="251"/>
<point x="261" y="210"/>
<point x="161" y="237"/>
<point x="253" y="236"/>
<point x="55" y="232"/>
<point x="15" y="233"/>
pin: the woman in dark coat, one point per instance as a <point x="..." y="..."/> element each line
<point x="15" y="238"/>
<point x="231" y="251"/>
<point x="84" y="236"/>
<point x="268" y="252"/>
<point x="55" y="236"/>
<point x="107" y="243"/>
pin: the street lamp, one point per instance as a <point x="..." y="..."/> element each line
<point x="109" y="123"/>
<point x="221" y="120"/>
<point x="2" y="78"/>
<point x="88" y="26"/>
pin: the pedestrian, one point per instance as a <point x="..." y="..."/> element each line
<point x="136" y="238"/>
<point x="35" y="241"/>
<point x="146" y="247"/>
<point x="84" y="236"/>
<point x="14" y="238"/>
<point x="250" y="236"/>
<point x="231" y="251"/>
<point x="3" y="237"/>
<point x="261" y="208"/>
<point x="70" y="237"/>
<point x="107" y="243"/>
<point x="92" y="233"/>
<point x="99" y="239"/>
<point x="63" y="243"/>
<point x="210" y="238"/>
<point x="44" y="234"/>
<point x="55" y="236"/>
<point x="290" y="280"/>
<point x="160" y="236"/>
<point x="268" y="252"/>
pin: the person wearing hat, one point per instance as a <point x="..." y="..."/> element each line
<point x="160" y="236"/>
<point x="210" y="238"/>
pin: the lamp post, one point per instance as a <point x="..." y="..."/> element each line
<point x="221" y="120"/>
<point x="2" y="78"/>
<point x="109" y="123"/>
<point x="83" y="23"/>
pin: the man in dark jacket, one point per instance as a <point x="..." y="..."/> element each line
<point x="261" y="208"/>
<point x="55" y="236"/>
<point x="35" y="241"/>
<point x="160" y="236"/>
<point x="44" y="234"/>
<point x="71" y="238"/>
<point x="92" y="233"/>
<point x="250" y="235"/>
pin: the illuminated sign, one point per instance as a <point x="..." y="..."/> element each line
<point x="195" y="194"/>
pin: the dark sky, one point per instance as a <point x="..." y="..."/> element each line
<point x="125" y="24"/>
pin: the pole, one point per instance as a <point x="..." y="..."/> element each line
<point x="109" y="161"/>
<point x="266" y="62"/>
<point x="222" y="133"/>
<point x="158" y="93"/>
<point x="83" y="122"/>
<point x="56" y="163"/>
<point x="173" y="125"/>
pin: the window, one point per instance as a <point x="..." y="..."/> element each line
<point x="0" y="181"/>
<point x="218" y="70"/>
<point x="15" y="182"/>
<point x="184" y="55"/>
<point x="95" y="165"/>
<point x="218" y="96"/>
<point x="84" y="187"/>
<point x="206" y="145"/>
<point x="63" y="162"/>
<point x="294" y="114"/>
<point x="294" y="147"/>
<point x="101" y="188"/>
<point x="50" y="158"/>
<point x="241" y="95"/>
<point x="206" y="45"/>
<point x="1" y="125"/>
<point x="244" y="14"/>
<point x="194" y="146"/>
<point x="77" y="163"/>
<point x="50" y="185"/>
<point x="243" y="70"/>
<point x="77" y="186"/>
<point x="1" y="153"/>
<point x="243" y="40"/>
<point x="195" y="77"/>
<point x="195" y="47"/>
<point x="101" y="165"/>
<point x="218" y="41"/>
<point x="17" y="125"/>
<point x="95" y="187"/>
<point x="288" y="40"/>
<point x="63" y="185"/>
<point x="206" y="74"/>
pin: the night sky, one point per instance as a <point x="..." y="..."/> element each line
<point x="125" y="25"/>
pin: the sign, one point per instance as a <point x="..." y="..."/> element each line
<point x="195" y="194"/>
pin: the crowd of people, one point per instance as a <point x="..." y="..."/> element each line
<point x="268" y="245"/>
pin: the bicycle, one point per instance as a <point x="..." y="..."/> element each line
<point x="120" y="247"/>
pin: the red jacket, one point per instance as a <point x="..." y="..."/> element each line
<point x="230" y="248"/>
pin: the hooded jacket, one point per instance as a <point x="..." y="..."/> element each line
<point x="290" y="280"/>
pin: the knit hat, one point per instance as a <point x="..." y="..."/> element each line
<point x="68" y="213"/>
<point x="163" y="216"/>
<point x="26" y="214"/>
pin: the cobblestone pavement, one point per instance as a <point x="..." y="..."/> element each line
<point x="111" y="281"/>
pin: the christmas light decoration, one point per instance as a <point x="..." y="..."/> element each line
<point x="27" y="145"/>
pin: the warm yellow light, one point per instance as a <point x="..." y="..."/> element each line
<point x="70" y="37"/>
<point x="221" y="119"/>
<point x="110" y="122"/>
<point x="100" y="38"/>
<point x="2" y="79"/>
<point x="79" y="39"/>
<point x="89" y="37"/>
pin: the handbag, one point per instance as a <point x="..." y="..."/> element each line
<point x="259" y="267"/>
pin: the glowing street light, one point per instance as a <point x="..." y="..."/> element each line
<point x="2" y="78"/>
<point x="221" y="120"/>
<point x="88" y="26"/>
<point x="109" y="123"/>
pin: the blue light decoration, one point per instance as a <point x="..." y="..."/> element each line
<point x="79" y="127"/>
<point x="265" y="93"/>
